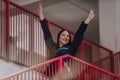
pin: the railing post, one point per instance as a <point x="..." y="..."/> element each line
<point x="7" y="28"/>
<point x="60" y="69"/>
<point x="112" y="63"/>
<point x="92" y="74"/>
<point x="82" y="50"/>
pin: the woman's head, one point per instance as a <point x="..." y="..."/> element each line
<point x="63" y="38"/>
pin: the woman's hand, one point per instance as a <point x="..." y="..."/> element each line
<point x="90" y="16"/>
<point x="40" y="12"/>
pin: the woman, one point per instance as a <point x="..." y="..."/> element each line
<point x="64" y="44"/>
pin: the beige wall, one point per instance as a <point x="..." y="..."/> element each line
<point x="110" y="24"/>
<point x="118" y="23"/>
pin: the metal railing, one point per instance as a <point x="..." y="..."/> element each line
<point x="56" y="69"/>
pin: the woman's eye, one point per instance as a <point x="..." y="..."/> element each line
<point x="67" y="35"/>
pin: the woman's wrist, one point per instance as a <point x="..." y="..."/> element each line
<point x="87" y="21"/>
<point x="41" y="16"/>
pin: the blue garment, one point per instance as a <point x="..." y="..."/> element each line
<point x="55" y="50"/>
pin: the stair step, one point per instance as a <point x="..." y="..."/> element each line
<point x="7" y="68"/>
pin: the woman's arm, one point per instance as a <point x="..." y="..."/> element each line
<point x="90" y="16"/>
<point x="47" y="34"/>
<point x="80" y="33"/>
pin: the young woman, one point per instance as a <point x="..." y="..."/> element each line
<point x="64" y="44"/>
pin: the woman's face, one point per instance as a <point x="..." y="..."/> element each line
<point x="64" y="38"/>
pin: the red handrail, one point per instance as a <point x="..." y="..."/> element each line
<point x="7" y="21"/>
<point x="111" y="52"/>
<point x="106" y="58"/>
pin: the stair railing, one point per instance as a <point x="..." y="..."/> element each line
<point x="76" y="70"/>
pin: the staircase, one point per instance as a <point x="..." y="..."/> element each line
<point x="22" y="42"/>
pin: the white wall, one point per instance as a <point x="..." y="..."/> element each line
<point x="109" y="24"/>
<point x="20" y="29"/>
<point x="8" y="68"/>
<point x="118" y="23"/>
